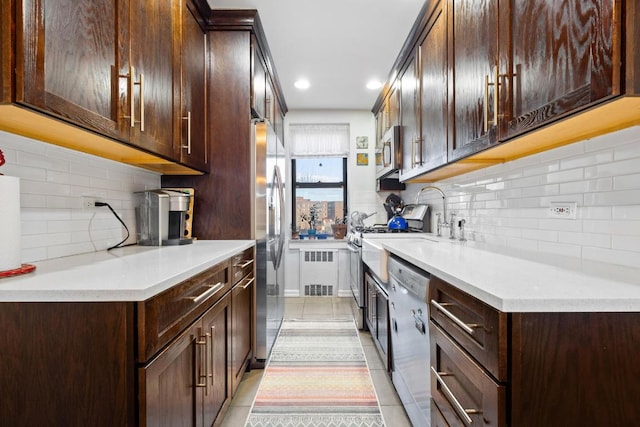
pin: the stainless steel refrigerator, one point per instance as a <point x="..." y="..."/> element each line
<point x="270" y="228"/>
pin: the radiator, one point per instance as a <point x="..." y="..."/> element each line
<point x="318" y="273"/>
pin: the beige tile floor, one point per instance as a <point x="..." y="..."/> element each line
<point x="323" y="308"/>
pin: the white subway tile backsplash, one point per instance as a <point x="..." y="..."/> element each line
<point x="541" y="169"/>
<point x="626" y="243"/>
<point x="541" y="235"/>
<point x="564" y="176"/>
<point x="42" y="161"/>
<point x="560" y="249"/>
<point x="613" y="198"/>
<point x="626" y="212"/>
<point x="585" y="239"/>
<point x="602" y="175"/>
<point x="622" y="167"/>
<point x="571" y="150"/>
<point x="596" y="212"/>
<point x="612" y="227"/>
<point x="627" y="151"/>
<point x="517" y="243"/>
<point x="53" y="180"/>
<point x="626" y="181"/>
<point x="603" y="184"/>
<point x="614" y="139"/>
<point x="589" y="159"/>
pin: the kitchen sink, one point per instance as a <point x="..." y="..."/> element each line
<point x="375" y="256"/>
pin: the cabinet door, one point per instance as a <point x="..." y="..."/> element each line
<point x="269" y="101"/>
<point x="410" y="105"/>
<point x="216" y="326"/>
<point x="155" y="62"/>
<point x="186" y="384"/>
<point x="563" y="56"/>
<point x="241" y="327"/>
<point x="473" y="56"/>
<point x="193" y="142"/>
<point x="258" y="83"/>
<point x="68" y="61"/>
<point x="169" y="383"/>
<point x="393" y="107"/>
<point x="433" y="105"/>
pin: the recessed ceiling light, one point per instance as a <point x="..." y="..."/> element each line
<point x="302" y="84"/>
<point x="374" y="84"/>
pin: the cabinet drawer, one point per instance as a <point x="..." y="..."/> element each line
<point x="162" y="317"/>
<point x="241" y="265"/>
<point x="462" y="390"/>
<point x="477" y="327"/>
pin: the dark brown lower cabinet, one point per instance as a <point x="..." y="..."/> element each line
<point x="67" y="364"/>
<point x="241" y="328"/>
<point x="575" y="369"/>
<point x="165" y="361"/>
<point x="186" y="384"/>
<point x="560" y="368"/>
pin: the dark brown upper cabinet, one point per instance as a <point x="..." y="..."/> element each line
<point x="119" y="72"/>
<point x="473" y="69"/>
<point x="522" y="77"/>
<point x="410" y="102"/>
<point x="193" y="111"/>
<point x="433" y="92"/>
<point x="424" y="100"/>
<point x="68" y="59"/>
<point x="258" y="82"/>
<point x="563" y="57"/>
<point x="152" y="75"/>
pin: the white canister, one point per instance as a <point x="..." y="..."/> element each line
<point x="9" y="223"/>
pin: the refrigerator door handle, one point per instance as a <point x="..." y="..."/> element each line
<point x="279" y="215"/>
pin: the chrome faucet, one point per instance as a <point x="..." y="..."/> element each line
<point x="442" y="221"/>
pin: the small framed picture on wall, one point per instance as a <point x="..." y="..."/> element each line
<point x="362" y="142"/>
<point x="362" y="159"/>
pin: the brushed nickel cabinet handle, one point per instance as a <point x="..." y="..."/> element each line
<point x="141" y="83"/>
<point x="496" y="86"/>
<point x="131" y="85"/>
<point x="244" y="264"/>
<point x="212" y="290"/>
<point x="211" y="355"/>
<point x="249" y="283"/>
<point x="201" y="341"/>
<point x="496" y="95"/>
<point x="464" y="413"/>
<point x="468" y="328"/>
<point x="485" y="105"/>
<point x="188" y="119"/>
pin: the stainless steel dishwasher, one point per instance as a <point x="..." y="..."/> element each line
<point x="409" y="319"/>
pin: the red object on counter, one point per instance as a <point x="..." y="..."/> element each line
<point x="24" y="269"/>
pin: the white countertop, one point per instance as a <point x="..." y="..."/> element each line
<point x="520" y="283"/>
<point x="132" y="273"/>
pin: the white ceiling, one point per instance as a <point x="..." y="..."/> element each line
<point x="338" y="45"/>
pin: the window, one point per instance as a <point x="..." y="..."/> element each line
<point x="319" y="182"/>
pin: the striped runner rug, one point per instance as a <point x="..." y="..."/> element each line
<point x="317" y="376"/>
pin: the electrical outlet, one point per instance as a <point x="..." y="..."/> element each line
<point x="564" y="210"/>
<point x="89" y="202"/>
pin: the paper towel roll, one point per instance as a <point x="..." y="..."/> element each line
<point x="9" y="223"/>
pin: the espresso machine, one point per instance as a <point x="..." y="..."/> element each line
<point x="161" y="217"/>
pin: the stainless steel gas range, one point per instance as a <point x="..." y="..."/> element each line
<point x="418" y="219"/>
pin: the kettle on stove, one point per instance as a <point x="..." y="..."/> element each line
<point x="397" y="222"/>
